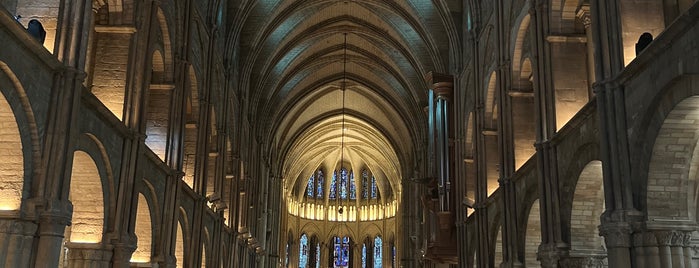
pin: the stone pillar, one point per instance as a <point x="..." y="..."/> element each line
<point x="52" y="223"/>
<point x="552" y="247"/>
<point x="617" y="237"/>
<point x="88" y="255"/>
<point x="17" y="238"/>
<point x="123" y="251"/>
<point x="621" y="216"/>
<point x="584" y="15"/>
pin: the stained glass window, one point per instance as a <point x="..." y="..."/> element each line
<point x="332" y="192"/>
<point x="303" y="251"/>
<point x="363" y="255"/>
<point x="318" y="255"/>
<point x="353" y="188"/>
<point x="343" y="183"/>
<point x="374" y="189"/>
<point x="365" y="184"/>
<point x="393" y="256"/>
<point x="309" y="187"/>
<point x="341" y="254"/>
<point x="320" y="179"/>
<point x="286" y="262"/>
<point x="377" y="252"/>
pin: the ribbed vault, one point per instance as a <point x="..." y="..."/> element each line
<point x="298" y="54"/>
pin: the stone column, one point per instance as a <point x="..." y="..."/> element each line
<point x="621" y="216"/>
<point x="53" y="209"/>
<point x="17" y="237"/>
<point x="552" y="247"/>
<point x="88" y="255"/>
<point x="584" y="15"/>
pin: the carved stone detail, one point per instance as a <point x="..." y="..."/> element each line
<point x="616" y="236"/>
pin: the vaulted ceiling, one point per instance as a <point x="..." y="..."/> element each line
<point x="295" y="56"/>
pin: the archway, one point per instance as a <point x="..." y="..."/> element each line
<point x="587" y="206"/>
<point x="533" y="236"/>
<point x="12" y="172"/>
<point x="144" y="232"/>
<point x="87" y="196"/>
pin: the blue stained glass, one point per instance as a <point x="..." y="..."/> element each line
<point x="341" y="254"/>
<point x="343" y="183"/>
<point x="377" y="252"/>
<point x="318" y="255"/>
<point x="286" y="262"/>
<point x="320" y="187"/>
<point x="374" y="189"/>
<point x="393" y="257"/>
<point x="303" y="251"/>
<point x="309" y="187"/>
<point x="365" y="184"/>
<point x="332" y="192"/>
<point x="353" y="188"/>
<point x="363" y="256"/>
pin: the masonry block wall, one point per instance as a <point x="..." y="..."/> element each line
<point x="12" y="171"/>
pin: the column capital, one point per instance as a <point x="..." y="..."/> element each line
<point x="441" y="84"/>
<point x="616" y="235"/>
<point x="583" y="14"/>
<point x="550" y="254"/>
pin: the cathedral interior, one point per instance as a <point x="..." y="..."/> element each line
<point x="349" y="133"/>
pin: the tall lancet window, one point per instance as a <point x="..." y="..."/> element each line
<point x="353" y="188"/>
<point x="309" y="187"/>
<point x="303" y="251"/>
<point x="363" y="255"/>
<point x="320" y="179"/>
<point x="318" y="255"/>
<point x="341" y="254"/>
<point x="365" y="184"/>
<point x="332" y="192"/>
<point x="374" y="188"/>
<point x="343" y="183"/>
<point x="377" y="252"/>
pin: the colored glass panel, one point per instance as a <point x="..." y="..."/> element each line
<point x="343" y="183"/>
<point x="341" y="254"/>
<point x="374" y="188"/>
<point x="320" y="179"/>
<point x="303" y="251"/>
<point x="377" y="252"/>
<point x="363" y="256"/>
<point x="309" y="187"/>
<point x="332" y="192"/>
<point x="352" y="186"/>
<point x="365" y="184"/>
<point x="318" y="255"/>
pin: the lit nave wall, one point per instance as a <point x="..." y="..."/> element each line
<point x="118" y="148"/>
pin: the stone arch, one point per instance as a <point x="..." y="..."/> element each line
<point x="12" y="173"/>
<point x="585" y="211"/>
<point x="497" y="248"/>
<point x="144" y="231"/>
<point x="532" y="235"/>
<point x="518" y="36"/>
<point x="312" y="228"/>
<point x="87" y="195"/>
<point x="158" y="111"/>
<point x="179" y="245"/>
<point x="490" y="133"/>
<point x="206" y="248"/>
<point x="490" y="101"/>
<point x="20" y="135"/>
<point x="672" y="170"/>
<point x="167" y="62"/>
<point x="191" y="127"/>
